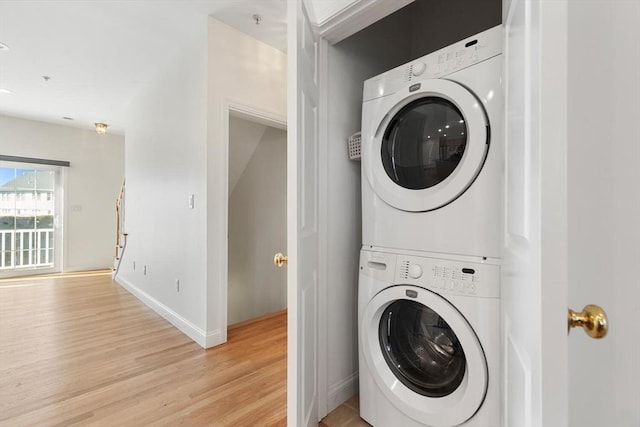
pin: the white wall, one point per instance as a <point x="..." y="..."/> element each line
<point x="258" y="229"/>
<point x="176" y="146"/>
<point x="604" y="207"/>
<point x="242" y="71"/>
<point x="166" y="149"/>
<point x="92" y="183"/>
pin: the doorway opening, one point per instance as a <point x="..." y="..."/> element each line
<point x="257" y="218"/>
<point x="30" y="205"/>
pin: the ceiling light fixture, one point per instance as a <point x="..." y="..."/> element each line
<point x="101" y="128"/>
<point x="257" y="19"/>
<point x="3" y="47"/>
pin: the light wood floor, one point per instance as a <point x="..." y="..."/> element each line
<point x="80" y="350"/>
<point x="83" y="351"/>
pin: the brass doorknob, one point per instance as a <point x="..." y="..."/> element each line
<point x="592" y="319"/>
<point x="279" y="260"/>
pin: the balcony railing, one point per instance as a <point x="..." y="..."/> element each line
<point x="26" y="248"/>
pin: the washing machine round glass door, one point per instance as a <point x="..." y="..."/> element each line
<point x="424" y="355"/>
<point x="429" y="147"/>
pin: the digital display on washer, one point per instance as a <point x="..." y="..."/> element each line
<point x="424" y="143"/>
<point x="421" y="349"/>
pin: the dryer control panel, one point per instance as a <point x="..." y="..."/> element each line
<point x="438" y="64"/>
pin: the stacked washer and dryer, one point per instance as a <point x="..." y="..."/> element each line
<point x="429" y="285"/>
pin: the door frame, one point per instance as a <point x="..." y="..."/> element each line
<point x="534" y="272"/>
<point x="265" y="117"/>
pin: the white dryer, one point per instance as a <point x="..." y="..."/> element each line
<point x="429" y="341"/>
<point x="432" y="152"/>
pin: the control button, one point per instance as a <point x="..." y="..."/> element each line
<point x="460" y="52"/>
<point x="449" y="56"/>
<point x="476" y="279"/>
<point x="471" y="288"/>
<point x="415" y="271"/>
<point x="419" y="68"/>
<point x="442" y="58"/>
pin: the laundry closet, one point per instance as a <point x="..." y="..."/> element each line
<point x="419" y="28"/>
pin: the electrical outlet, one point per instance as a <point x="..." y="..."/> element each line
<point x="177" y="285"/>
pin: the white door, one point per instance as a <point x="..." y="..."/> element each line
<point x="604" y="209"/>
<point x="302" y="218"/>
<point x="552" y="129"/>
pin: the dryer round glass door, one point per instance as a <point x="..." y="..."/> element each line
<point x="424" y="143"/>
<point x="429" y="147"/>
<point x="424" y="356"/>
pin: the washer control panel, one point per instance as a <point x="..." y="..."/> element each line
<point x="449" y="277"/>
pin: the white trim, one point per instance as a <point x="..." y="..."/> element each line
<point x="203" y="338"/>
<point x="233" y="108"/>
<point x="324" y="393"/>
<point x="222" y="206"/>
<point x="342" y="391"/>
<point x="357" y="16"/>
<point x="253" y="115"/>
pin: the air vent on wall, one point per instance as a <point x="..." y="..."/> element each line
<point x="355" y="144"/>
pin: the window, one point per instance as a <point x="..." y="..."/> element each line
<point x="27" y="212"/>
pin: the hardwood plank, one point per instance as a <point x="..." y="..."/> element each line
<point x="82" y="351"/>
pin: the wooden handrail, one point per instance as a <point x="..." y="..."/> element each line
<point x="119" y="216"/>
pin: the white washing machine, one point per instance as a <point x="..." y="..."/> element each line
<point x="432" y="152"/>
<point x="429" y="341"/>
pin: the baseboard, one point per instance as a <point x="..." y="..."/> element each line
<point x="204" y="339"/>
<point x="342" y="391"/>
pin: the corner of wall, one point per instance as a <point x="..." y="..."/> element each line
<point x="203" y="338"/>
<point x="342" y="391"/>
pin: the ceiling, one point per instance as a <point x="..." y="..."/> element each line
<point x="96" y="54"/>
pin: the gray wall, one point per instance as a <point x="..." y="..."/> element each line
<point x="439" y="23"/>
<point x="258" y="228"/>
